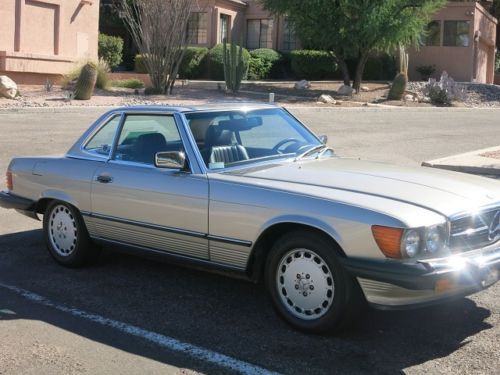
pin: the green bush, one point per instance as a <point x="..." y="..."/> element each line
<point x="215" y="63"/>
<point x="193" y="63"/>
<point x="139" y="65"/>
<point x="497" y="62"/>
<point x="131" y="83"/>
<point x="102" y="73"/>
<point x="262" y="63"/>
<point x="257" y="69"/>
<point x="312" y="65"/>
<point x="110" y="49"/>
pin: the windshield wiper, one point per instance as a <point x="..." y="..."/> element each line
<point x="312" y="150"/>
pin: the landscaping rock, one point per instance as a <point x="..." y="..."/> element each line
<point x="408" y="98"/>
<point x="345" y="90"/>
<point x="8" y="88"/>
<point x="365" y="88"/>
<point x="302" y="85"/>
<point x="327" y="99"/>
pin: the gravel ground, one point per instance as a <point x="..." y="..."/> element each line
<point x="476" y="95"/>
<point x="374" y="93"/>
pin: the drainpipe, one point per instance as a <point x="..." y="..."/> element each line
<point x="477" y="35"/>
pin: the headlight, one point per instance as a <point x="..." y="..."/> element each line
<point x="434" y="239"/>
<point x="410" y="243"/>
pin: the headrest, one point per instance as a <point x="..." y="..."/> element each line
<point x="216" y="136"/>
<point x="153" y="140"/>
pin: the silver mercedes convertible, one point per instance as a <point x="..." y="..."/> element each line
<point x="250" y="190"/>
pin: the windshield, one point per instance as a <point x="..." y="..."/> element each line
<point x="228" y="138"/>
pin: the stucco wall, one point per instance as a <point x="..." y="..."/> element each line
<point x="46" y="36"/>
<point x="462" y="63"/>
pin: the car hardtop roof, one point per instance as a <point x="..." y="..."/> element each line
<point x="196" y="108"/>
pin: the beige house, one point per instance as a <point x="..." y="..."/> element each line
<point x="43" y="38"/>
<point x="461" y="40"/>
<point x="242" y="21"/>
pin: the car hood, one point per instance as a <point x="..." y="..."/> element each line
<point x="441" y="191"/>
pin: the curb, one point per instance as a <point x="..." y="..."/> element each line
<point x="469" y="162"/>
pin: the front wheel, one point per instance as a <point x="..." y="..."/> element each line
<point x="66" y="236"/>
<point x="308" y="285"/>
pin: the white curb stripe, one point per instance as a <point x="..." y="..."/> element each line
<point x="161" y="340"/>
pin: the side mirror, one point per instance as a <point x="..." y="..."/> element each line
<point x="323" y="139"/>
<point x="170" y="160"/>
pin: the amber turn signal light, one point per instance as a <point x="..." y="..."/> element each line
<point x="388" y="240"/>
<point x="8" y="180"/>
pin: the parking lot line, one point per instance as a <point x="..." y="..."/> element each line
<point x="166" y="342"/>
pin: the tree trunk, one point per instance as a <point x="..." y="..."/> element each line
<point x="345" y="70"/>
<point x="360" y="68"/>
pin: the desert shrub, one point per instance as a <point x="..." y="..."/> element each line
<point x="444" y="91"/>
<point x="102" y="73"/>
<point x="139" y="65"/>
<point x="215" y="63"/>
<point x="426" y="71"/>
<point x="110" y="49"/>
<point x="131" y="83"/>
<point x="192" y="65"/>
<point x="312" y="65"/>
<point x="262" y="63"/>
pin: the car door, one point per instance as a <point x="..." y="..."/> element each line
<point x="135" y="203"/>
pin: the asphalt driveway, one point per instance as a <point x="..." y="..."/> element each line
<point x="44" y="308"/>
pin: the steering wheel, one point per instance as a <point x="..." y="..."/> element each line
<point x="276" y="148"/>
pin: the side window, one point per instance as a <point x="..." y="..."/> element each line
<point x="142" y="136"/>
<point x="102" y="141"/>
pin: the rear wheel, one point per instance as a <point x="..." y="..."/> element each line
<point x="66" y="236"/>
<point x="308" y="285"/>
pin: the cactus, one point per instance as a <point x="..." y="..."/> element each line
<point x="399" y="84"/>
<point x="234" y="66"/>
<point x="86" y="82"/>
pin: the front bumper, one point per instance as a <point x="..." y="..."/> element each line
<point x="392" y="284"/>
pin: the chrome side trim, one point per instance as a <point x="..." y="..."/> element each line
<point x="198" y="261"/>
<point x="145" y="225"/>
<point x="207" y="236"/>
<point x="229" y="240"/>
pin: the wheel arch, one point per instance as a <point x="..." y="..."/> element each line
<point x="276" y="229"/>
<point x="53" y="195"/>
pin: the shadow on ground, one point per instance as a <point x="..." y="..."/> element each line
<point x="228" y="316"/>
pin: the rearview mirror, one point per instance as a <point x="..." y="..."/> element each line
<point x="170" y="160"/>
<point x="323" y="139"/>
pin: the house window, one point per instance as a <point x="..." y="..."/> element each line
<point x="456" y="33"/>
<point x="259" y="34"/>
<point x="289" y="37"/>
<point x="432" y="34"/>
<point x="197" y="30"/>
<point x="224" y="28"/>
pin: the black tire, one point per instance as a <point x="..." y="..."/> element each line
<point x="346" y="301"/>
<point x="66" y="236"/>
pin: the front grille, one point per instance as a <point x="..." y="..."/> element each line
<point x="473" y="231"/>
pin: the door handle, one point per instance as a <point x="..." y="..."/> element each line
<point x="104" y="179"/>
